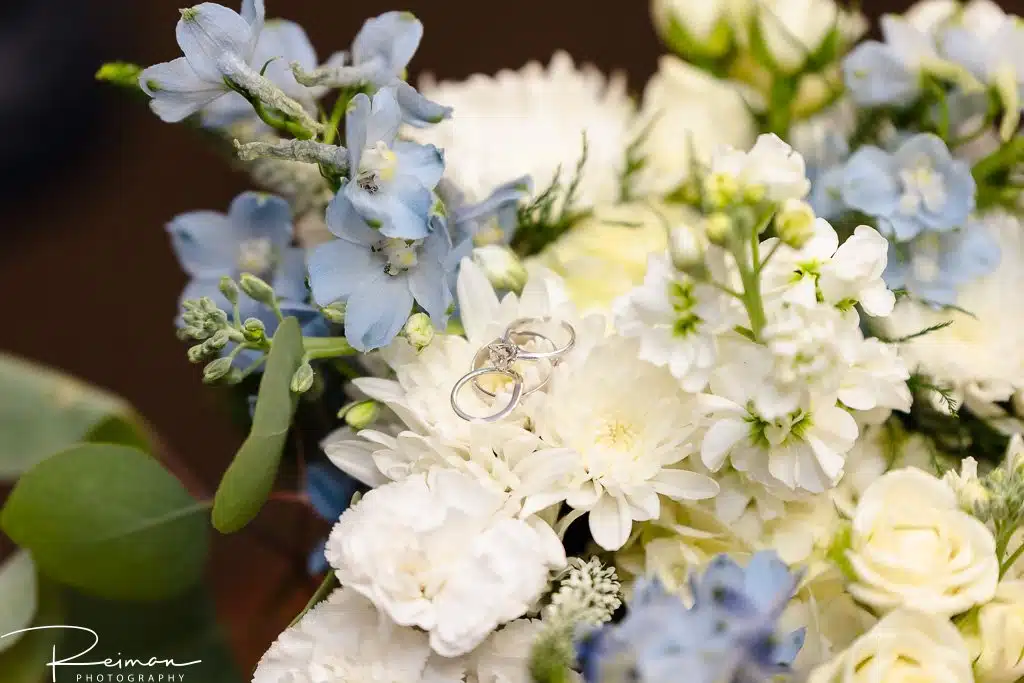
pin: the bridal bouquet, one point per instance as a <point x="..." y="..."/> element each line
<point x="718" y="384"/>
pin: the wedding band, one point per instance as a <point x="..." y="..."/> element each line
<point x="556" y="353"/>
<point x="517" y="393"/>
<point x="497" y="351"/>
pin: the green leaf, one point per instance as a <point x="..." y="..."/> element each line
<point x="17" y="595"/>
<point x="43" y="411"/>
<point x="250" y="478"/>
<point x="26" y="661"/>
<point x="110" y="521"/>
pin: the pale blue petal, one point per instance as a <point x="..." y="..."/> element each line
<point x="254" y="12"/>
<point x="922" y="146"/>
<point x="425" y="163"/>
<point x="789" y="647"/>
<point x="963" y="47"/>
<point x="827" y="193"/>
<point x="206" y="243"/>
<point x="176" y="91"/>
<point x="767" y="577"/>
<point x="356" y="121"/>
<point x="385" y="119"/>
<point x="285" y="42"/>
<point x="262" y="216"/>
<point x="226" y="110"/>
<point x="876" y="76"/>
<point x="344" y="223"/>
<point x="869" y="184"/>
<point x="393" y="37"/>
<point x="961" y="191"/>
<point x="207" y="33"/>
<point x="900" y="227"/>
<point x="337" y="268"/>
<point x="975" y="252"/>
<point x="401" y="211"/>
<point x="290" y="277"/>
<point x="377" y="310"/>
<point x="510" y="193"/>
<point x="417" y="110"/>
<point x="428" y="281"/>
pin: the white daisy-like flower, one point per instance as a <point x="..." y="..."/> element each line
<point x="981" y="354"/>
<point x="532" y="121"/>
<point x="677" y="320"/>
<point x="442" y="552"/>
<point x="629" y="424"/>
<point x="803" y="450"/>
<point x="345" y="640"/>
<point x="824" y="270"/>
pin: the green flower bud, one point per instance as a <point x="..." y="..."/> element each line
<point x="794" y="223"/>
<point x="335" y="313"/>
<point x="217" y="370"/>
<point x="229" y="289"/>
<point x="363" y="414"/>
<point x="254" y="330"/>
<point x="719" y="228"/>
<point x="219" y="340"/>
<point x="198" y="353"/>
<point x="302" y="380"/>
<point x="720" y="189"/>
<point x="122" y="74"/>
<point x="503" y="268"/>
<point x="419" y="331"/>
<point x="256" y="289"/>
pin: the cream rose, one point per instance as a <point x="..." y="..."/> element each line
<point x="995" y="635"/>
<point x="912" y="546"/>
<point x="904" y="646"/>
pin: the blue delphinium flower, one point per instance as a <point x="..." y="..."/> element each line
<point x="491" y="221"/>
<point x="217" y="43"/>
<point x="253" y="237"/>
<point x="330" y="491"/>
<point x="280" y="43"/>
<point x="933" y="266"/>
<point x="729" y="635"/>
<point x="918" y="188"/>
<point x="391" y="181"/>
<point x="889" y="73"/>
<point x="380" y="277"/>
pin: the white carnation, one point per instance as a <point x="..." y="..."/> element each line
<point x="441" y="552"/>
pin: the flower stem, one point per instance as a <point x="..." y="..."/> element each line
<point x="327" y="347"/>
<point x="750" y="276"/>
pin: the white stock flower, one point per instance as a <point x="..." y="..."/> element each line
<point x="995" y="635"/>
<point x="676" y="320"/>
<point x="685" y="108"/>
<point x="803" y="450"/>
<point x="630" y="424"/>
<point x="967" y="486"/>
<point x="981" y="354"/>
<point x="904" y="646"/>
<point x="441" y="552"/>
<point x="876" y="378"/>
<point x="912" y="546"/>
<point x="771" y="165"/>
<point x="824" y="270"/>
<point x="532" y="121"/>
<point x="345" y="640"/>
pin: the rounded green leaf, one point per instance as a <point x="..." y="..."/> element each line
<point x="43" y="411"/>
<point x="17" y="595"/>
<point x="110" y="521"/>
<point x="250" y="477"/>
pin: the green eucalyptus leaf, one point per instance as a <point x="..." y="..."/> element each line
<point x="26" y="660"/>
<point x="110" y="521"/>
<point x="17" y="595"/>
<point x="249" y="480"/>
<point x="43" y="411"/>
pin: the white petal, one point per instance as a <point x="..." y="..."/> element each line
<point x="685" y="485"/>
<point x="610" y="522"/>
<point x="719" y="440"/>
<point x="478" y="304"/>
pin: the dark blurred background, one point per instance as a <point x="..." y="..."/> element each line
<point x="88" y="178"/>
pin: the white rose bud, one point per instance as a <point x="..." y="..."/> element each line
<point x="904" y="646"/>
<point x="795" y="31"/>
<point x="419" y="331"/>
<point x="694" y="28"/>
<point x="995" y="636"/>
<point x="794" y="223"/>
<point x="502" y="267"/>
<point x="912" y="546"/>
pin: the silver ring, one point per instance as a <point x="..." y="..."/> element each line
<point x="504" y="352"/>
<point x="556" y="353"/>
<point x="517" y="393"/>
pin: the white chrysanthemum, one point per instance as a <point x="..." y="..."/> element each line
<point x="442" y="552"/>
<point x="629" y="423"/>
<point x="677" y="320"/>
<point x="687" y="111"/>
<point x="345" y="640"/>
<point x="532" y="122"/>
<point x="981" y="355"/>
<point x="803" y="450"/>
